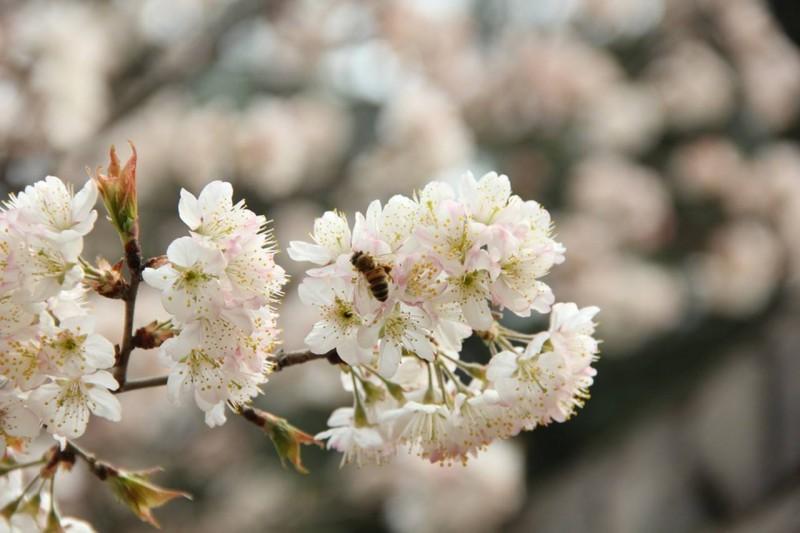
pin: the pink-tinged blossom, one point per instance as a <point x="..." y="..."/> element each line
<point x="215" y="361"/>
<point x="251" y="275"/>
<point x="50" y="209"/>
<point x="549" y="380"/>
<point x="214" y="216"/>
<point x="219" y="285"/>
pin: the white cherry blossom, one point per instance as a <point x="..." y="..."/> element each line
<point x="191" y="283"/>
<point x="195" y="372"/>
<point x="72" y="348"/>
<point x="331" y="236"/>
<point x="473" y="423"/>
<point x="340" y="323"/>
<point x="453" y="262"/>
<point x="22" y="362"/>
<point x="65" y="404"/>
<point x="404" y="327"/>
<point x="451" y="237"/>
<point x="470" y="289"/>
<point x="421" y="426"/>
<point x="517" y="286"/>
<point x="219" y="285"/>
<point x="213" y="215"/>
<point x="47" y="267"/>
<point x="398" y="221"/>
<point x="14" y="315"/>
<point x="357" y="444"/>
<point x="487" y="197"/>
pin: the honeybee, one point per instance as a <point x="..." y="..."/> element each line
<point x="376" y="274"/>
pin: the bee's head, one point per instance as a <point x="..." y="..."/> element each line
<point x="356" y="256"/>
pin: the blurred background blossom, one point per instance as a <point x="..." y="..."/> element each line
<point x="662" y="134"/>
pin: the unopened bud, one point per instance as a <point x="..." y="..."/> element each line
<point x="153" y="334"/>
<point x="106" y="279"/>
<point x="117" y="187"/>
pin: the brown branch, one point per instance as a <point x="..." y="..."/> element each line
<point x="297" y="357"/>
<point x="157" y="381"/>
<point x="133" y="259"/>
<point x="281" y="361"/>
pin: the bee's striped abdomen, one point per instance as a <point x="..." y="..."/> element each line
<point x="377" y="275"/>
<point x="378" y="284"/>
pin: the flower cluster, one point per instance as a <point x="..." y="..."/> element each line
<point x="399" y="293"/>
<point x="219" y="284"/>
<point x="53" y="364"/>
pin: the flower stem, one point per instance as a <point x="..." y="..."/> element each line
<point x="359" y="413"/>
<point x="440" y="379"/>
<point x="10" y="468"/>
<point x="457" y="382"/>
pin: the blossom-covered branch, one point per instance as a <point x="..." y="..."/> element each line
<point x="395" y="295"/>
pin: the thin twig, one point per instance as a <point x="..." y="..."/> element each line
<point x="157" y="381"/>
<point x="71" y="452"/>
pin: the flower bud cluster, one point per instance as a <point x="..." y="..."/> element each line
<point x="219" y="284"/>
<point x="53" y="364"/>
<point x="399" y="293"/>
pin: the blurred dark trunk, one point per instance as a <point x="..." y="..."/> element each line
<point x="787" y="13"/>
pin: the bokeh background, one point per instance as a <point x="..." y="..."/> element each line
<point x="662" y="134"/>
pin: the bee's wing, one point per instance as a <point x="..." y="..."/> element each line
<point x="365" y="302"/>
<point x="385" y="260"/>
